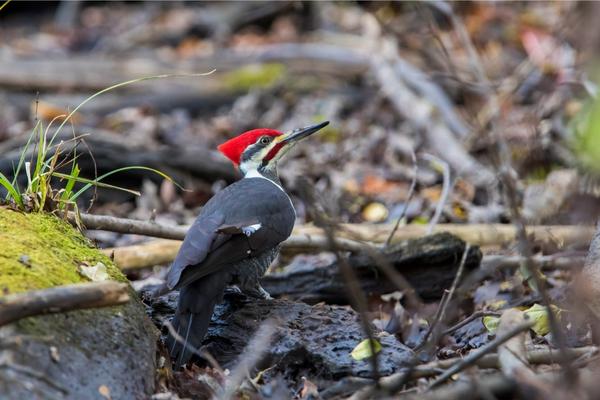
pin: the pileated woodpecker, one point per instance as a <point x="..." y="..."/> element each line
<point x="236" y="236"/>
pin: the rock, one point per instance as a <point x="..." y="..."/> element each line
<point x="80" y="354"/>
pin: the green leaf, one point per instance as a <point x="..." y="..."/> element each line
<point x="363" y="349"/>
<point x="491" y="323"/>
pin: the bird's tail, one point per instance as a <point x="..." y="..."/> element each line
<point x="195" y="308"/>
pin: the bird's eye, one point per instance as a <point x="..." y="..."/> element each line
<point x="265" y="140"/>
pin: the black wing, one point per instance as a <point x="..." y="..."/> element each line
<point x="216" y="239"/>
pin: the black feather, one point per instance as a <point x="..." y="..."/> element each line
<point x="194" y="311"/>
<point x="215" y="249"/>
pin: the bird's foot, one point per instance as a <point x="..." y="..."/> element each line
<point x="263" y="294"/>
<point x="257" y="292"/>
<point x="235" y="289"/>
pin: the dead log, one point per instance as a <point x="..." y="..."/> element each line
<point x="429" y="264"/>
<point x="312" y="341"/>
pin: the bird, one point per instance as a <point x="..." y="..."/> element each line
<point x="235" y="238"/>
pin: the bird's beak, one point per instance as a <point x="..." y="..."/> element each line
<point x="298" y="134"/>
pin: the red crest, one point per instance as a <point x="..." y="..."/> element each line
<point x="233" y="148"/>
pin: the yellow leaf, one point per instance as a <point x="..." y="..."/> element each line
<point x="420" y="220"/>
<point x="460" y="211"/>
<point x="506" y="286"/>
<point x="363" y="350"/>
<point x="491" y="323"/>
<point x="539" y="315"/>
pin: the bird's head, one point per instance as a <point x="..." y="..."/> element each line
<point x="260" y="149"/>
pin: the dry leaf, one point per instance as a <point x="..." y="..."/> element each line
<point x="95" y="273"/>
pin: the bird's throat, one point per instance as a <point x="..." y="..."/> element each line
<point x="270" y="174"/>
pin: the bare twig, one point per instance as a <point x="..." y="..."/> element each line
<point x="479" y="353"/>
<point x="512" y="355"/>
<point x="411" y="191"/>
<point x="502" y="164"/>
<point x="413" y="300"/>
<point x="355" y="294"/>
<point x="472" y="317"/>
<point x="446" y="301"/>
<point x="533" y="356"/>
<point x="357" y="237"/>
<point x="569" y="262"/>
<point x="125" y="225"/>
<point x="445" y="191"/>
<point x="432" y="369"/>
<point x="476" y="234"/>
<point x="61" y="299"/>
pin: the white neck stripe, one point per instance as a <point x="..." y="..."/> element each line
<point x="253" y="173"/>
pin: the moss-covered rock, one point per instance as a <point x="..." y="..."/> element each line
<point x="79" y="354"/>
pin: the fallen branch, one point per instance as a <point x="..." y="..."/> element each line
<point x="495" y="262"/>
<point x="62" y="298"/>
<point x="307" y="238"/>
<point x="476" y="234"/>
<point x="533" y="356"/>
<point x="126" y="225"/>
<point x="475" y="355"/>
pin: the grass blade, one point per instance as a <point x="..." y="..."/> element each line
<point x="118" y="85"/>
<point x="12" y="192"/>
<point x="90" y="183"/>
<point x="136" y="167"/>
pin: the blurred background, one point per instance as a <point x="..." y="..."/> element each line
<point x="488" y="108"/>
<point x="463" y="82"/>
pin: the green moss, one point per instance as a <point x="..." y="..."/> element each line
<point x="254" y="76"/>
<point x="38" y="250"/>
<point x="586" y="139"/>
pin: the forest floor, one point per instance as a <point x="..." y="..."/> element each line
<point x="476" y="119"/>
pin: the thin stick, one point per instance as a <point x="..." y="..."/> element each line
<point x="474" y="316"/>
<point x="472" y="358"/>
<point x="61" y="299"/>
<point x="356" y="296"/>
<point x="411" y="191"/>
<point x="125" y="225"/>
<point x="502" y="164"/>
<point x="445" y="191"/>
<point x="446" y="300"/>
<point x="476" y="234"/>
